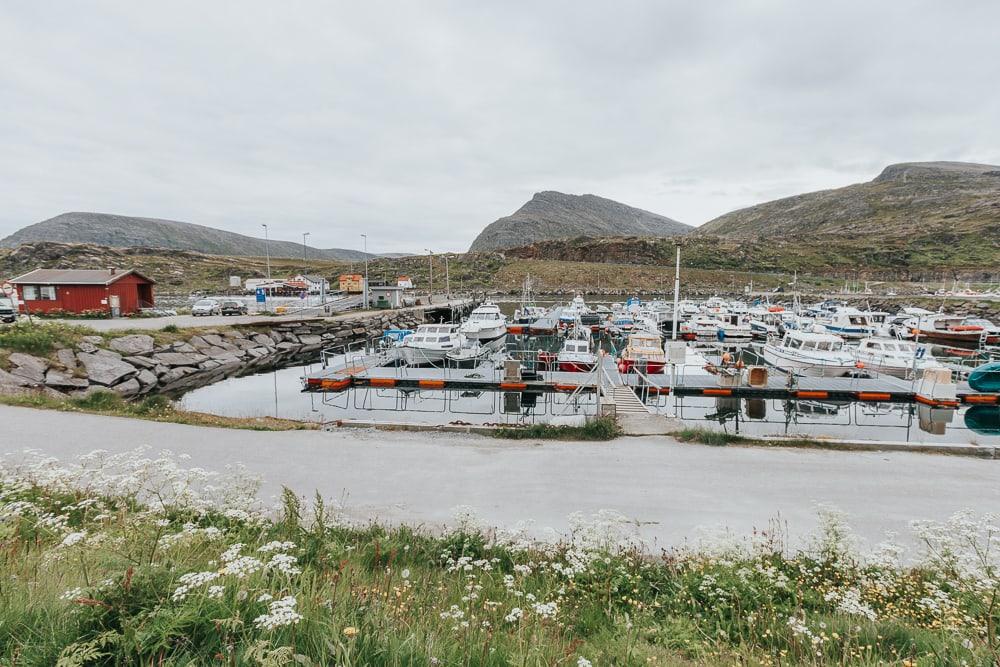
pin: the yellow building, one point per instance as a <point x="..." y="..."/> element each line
<point x="352" y="283"/>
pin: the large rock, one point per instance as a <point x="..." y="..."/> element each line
<point x="173" y="359"/>
<point x="64" y="381"/>
<point x="146" y="377"/>
<point x="67" y="358"/>
<point x="133" y="344"/>
<point x="105" y="369"/>
<point x="128" y="388"/>
<point x="141" y="362"/>
<point x="29" y="367"/>
<point x="9" y="380"/>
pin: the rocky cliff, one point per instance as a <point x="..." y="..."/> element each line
<point x="554" y="215"/>
<point x="122" y="231"/>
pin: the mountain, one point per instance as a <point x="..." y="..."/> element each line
<point x="125" y="231"/>
<point x="906" y="202"/>
<point x="554" y="215"/>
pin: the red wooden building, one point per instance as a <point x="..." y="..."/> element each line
<point x="77" y="290"/>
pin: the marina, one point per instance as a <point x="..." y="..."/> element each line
<point x="882" y="388"/>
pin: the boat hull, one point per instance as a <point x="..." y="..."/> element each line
<point x="807" y="367"/>
<point x="576" y="366"/>
<point x="651" y="367"/>
<point x="968" y="337"/>
<point x="419" y="356"/>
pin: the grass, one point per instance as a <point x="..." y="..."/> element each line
<point x="131" y="559"/>
<point x="152" y="408"/>
<point x="706" y="436"/>
<point x="603" y="428"/>
<point x="40" y="339"/>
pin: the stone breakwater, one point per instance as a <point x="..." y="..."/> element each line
<point x="134" y="365"/>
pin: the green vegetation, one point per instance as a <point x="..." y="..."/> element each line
<point x="603" y="428"/>
<point x="131" y="559"/>
<point x="706" y="436"/>
<point x="153" y="408"/>
<point x="40" y="340"/>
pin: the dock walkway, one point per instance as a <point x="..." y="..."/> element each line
<point x="370" y="371"/>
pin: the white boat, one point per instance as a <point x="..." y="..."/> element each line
<point x="430" y="344"/>
<point x="849" y="323"/>
<point x="812" y="354"/>
<point x="723" y="327"/>
<point x="576" y="355"/>
<point x="576" y="308"/>
<point x="485" y="323"/>
<point x="890" y="356"/>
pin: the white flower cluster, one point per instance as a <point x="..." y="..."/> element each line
<point x="192" y="580"/>
<point x="71" y="594"/>
<point x="545" y="609"/>
<point x="849" y="602"/>
<point x="74" y="538"/>
<point x="276" y="546"/>
<point x="515" y="615"/>
<point x="280" y="613"/>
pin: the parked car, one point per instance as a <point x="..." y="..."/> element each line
<point x="234" y="308"/>
<point x="206" y="307"/>
<point x="8" y="311"/>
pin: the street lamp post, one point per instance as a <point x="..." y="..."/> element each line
<point x="430" y="263"/>
<point x="365" y="237"/>
<point x="447" y="278"/>
<point x="305" y="268"/>
<point x="267" y="255"/>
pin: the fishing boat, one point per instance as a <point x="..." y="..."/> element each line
<point x="485" y="323"/>
<point x="848" y="323"/>
<point x="643" y="352"/>
<point x="948" y="328"/>
<point x="991" y="332"/>
<point x="430" y="344"/>
<point x="812" y="354"/>
<point x="577" y="308"/>
<point x="547" y="324"/>
<point x="472" y="352"/>
<point x="889" y="356"/>
<point x="576" y="355"/>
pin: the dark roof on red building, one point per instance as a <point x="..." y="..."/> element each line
<point x="75" y="277"/>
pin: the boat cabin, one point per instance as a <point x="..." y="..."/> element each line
<point x="802" y="340"/>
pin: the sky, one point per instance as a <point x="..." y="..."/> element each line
<point x="419" y="123"/>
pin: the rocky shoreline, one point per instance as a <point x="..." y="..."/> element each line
<point x="134" y="365"/>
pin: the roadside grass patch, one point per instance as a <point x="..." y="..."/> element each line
<point x="602" y="428"/>
<point x="131" y="558"/>
<point x="40" y="339"/>
<point x="153" y="408"/>
<point x="706" y="436"/>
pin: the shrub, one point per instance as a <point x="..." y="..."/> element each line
<point x="602" y="428"/>
<point x="39" y="339"/>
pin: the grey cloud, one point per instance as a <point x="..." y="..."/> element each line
<point x="422" y="122"/>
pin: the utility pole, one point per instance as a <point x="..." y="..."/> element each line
<point x="365" y="237"/>
<point x="267" y="255"/>
<point x="430" y="262"/>
<point x="677" y="291"/>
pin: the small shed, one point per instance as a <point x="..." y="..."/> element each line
<point x="386" y="296"/>
<point x="80" y="290"/>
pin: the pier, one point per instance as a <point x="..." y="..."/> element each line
<point x="383" y="370"/>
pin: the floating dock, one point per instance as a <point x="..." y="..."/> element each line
<point x="378" y="371"/>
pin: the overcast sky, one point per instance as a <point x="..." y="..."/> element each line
<point x="422" y="122"/>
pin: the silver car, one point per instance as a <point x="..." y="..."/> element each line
<point x="206" y="307"/>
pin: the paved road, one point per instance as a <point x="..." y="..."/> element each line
<point x="152" y="323"/>
<point x="672" y="488"/>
